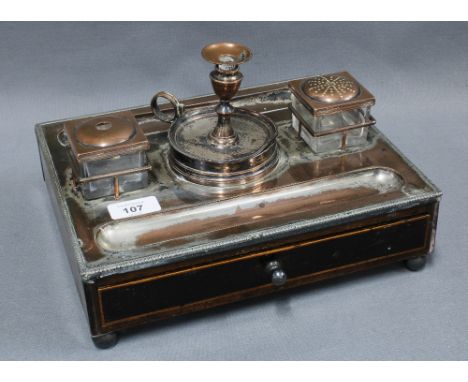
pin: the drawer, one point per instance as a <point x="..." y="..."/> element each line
<point x="233" y="279"/>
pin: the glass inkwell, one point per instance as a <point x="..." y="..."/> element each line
<point x="108" y="155"/>
<point x="331" y="112"/>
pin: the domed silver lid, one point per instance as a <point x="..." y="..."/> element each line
<point x="331" y="93"/>
<point x="104" y="132"/>
<point x="331" y="88"/>
<point x="105" y="136"/>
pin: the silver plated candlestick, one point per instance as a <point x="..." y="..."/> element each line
<point x="221" y="145"/>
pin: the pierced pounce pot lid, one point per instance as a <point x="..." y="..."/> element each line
<point x="331" y="93"/>
<point x="331" y="88"/>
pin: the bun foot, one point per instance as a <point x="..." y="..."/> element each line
<point x="105" y="341"/>
<point x="416" y="264"/>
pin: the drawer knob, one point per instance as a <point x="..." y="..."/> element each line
<point x="278" y="275"/>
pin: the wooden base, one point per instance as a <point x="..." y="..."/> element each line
<point x="109" y="340"/>
<point x="137" y="298"/>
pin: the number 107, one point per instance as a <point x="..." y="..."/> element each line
<point x="131" y="209"/>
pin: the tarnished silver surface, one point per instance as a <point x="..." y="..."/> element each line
<point x="226" y="53"/>
<point x="104" y="136"/>
<point x="393" y="183"/>
<point x="331" y="88"/>
<point x="129" y="235"/>
<point x="198" y="159"/>
<point x="190" y="136"/>
<point x="331" y="93"/>
<point x="222" y="145"/>
<point x="98" y="132"/>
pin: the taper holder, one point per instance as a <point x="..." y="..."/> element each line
<point x="221" y="146"/>
<point x="225" y="79"/>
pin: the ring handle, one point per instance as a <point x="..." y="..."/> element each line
<point x="178" y="107"/>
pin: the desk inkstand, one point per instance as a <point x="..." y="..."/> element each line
<point x="177" y="207"/>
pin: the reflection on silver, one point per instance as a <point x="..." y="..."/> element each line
<point x="123" y="235"/>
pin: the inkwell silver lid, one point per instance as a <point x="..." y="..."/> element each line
<point x="105" y="136"/>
